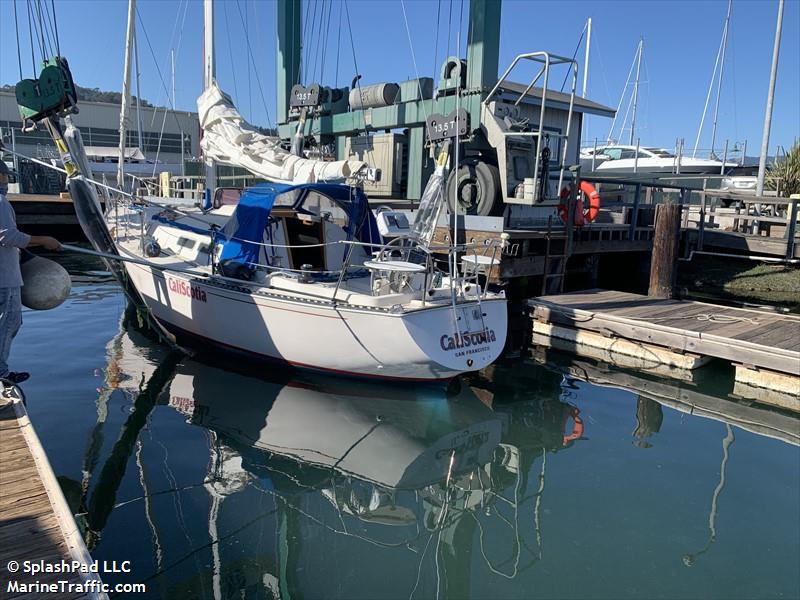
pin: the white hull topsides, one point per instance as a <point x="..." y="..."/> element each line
<point x="371" y="342"/>
<point x="299" y="326"/>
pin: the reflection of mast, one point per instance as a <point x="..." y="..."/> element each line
<point x="112" y="379"/>
<point x="226" y="477"/>
<point x="102" y="501"/>
<point x="148" y="509"/>
<point x="689" y="559"/>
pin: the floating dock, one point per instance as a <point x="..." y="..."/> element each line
<point x="36" y="523"/>
<point x="676" y="335"/>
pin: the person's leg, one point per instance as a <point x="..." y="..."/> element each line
<point x="10" y="322"/>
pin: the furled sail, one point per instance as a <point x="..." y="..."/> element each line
<point x="230" y="140"/>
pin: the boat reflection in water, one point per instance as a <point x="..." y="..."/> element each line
<point x="356" y="469"/>
<point x="322" y="487"/>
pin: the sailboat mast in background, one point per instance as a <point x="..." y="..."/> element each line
<point x="209" y="74"/>
<point x="762" y="161"/>
<point x="126" y="92"/>
<point x="636" y="89"/>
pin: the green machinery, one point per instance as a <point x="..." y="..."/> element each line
<point x="507" y="135"/>
<point x="53" y="93"/>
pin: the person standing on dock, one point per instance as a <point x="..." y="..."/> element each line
<point x="11" y="240"/>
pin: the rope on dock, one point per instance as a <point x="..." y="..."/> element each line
<point x="711" y="317"/>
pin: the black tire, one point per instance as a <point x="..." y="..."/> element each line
<point x="478" y="190"/>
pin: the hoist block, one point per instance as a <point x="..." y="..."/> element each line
<point x="53" y="93"/>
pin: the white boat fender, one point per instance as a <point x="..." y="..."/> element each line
<point x="46" y="284"/>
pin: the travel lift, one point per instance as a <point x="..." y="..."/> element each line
<point x="514" y="138"/>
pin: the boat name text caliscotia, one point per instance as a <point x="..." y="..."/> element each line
<point x="465" y="340"/>
<point x="185" y="289"/>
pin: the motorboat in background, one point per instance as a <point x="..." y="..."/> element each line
<point x="619" y="158"/>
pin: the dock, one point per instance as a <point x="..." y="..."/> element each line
<point x="36" y="523"/>
<point x="677" y="335"/>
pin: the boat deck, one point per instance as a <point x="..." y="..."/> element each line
<point x="35" y="521"/>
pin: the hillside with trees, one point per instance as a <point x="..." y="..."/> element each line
<point x="91" y="95"/>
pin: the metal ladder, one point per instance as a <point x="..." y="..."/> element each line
<point x="555" y="265"/>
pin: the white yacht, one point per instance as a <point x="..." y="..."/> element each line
<point x="619" y="158"/>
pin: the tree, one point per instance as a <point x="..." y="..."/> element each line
<point x="784" y="175"/>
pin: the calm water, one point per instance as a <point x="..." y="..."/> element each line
<point x="218" y="484"/>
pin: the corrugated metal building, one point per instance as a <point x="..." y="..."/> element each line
<point x="166" y="134"/>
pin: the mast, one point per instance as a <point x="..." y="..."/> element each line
<point x="138" y="93"/>
<point x="126" y="91"/>
<point x="762" y="161"/>
<point x="586" y="57"/>
<point x="584" y="124"/>
<point x="209" y="73"/>
<point x="721" y="68"/>
<point x="636" y="88"/>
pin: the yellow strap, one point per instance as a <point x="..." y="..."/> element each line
<point x="441" y="160"/>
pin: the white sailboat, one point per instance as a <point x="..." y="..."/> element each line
<point x="295" y="272"/>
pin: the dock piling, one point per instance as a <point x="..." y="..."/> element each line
<point x="665" y="249"/>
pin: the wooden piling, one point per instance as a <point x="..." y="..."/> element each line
<point x="665" y="251"/>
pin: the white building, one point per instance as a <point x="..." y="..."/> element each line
<point x="167" y="135"/>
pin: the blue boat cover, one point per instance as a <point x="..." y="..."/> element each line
<point x="244" y="232"/>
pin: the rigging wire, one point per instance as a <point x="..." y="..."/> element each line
<point x="49" y="28"/>
<point x="708" y="97"/>
<point x="414" y="59"/>
<point x="255" y="71"/>
<point x="449" y="26"/>
<point x="303" y="37"/>
<point x="16" y="31"/>
<point x="574" y="54"/>
<point x="55" y="27"/>
<point x="40" y="28"/>
<point x="355" y="61"/>
<point x="436" y="43"/>
<point x="230" y="49"/>
<point x="155" y="62"/>
<point x="307" y="49"/>
<point x="317" y="41"/>
<point x="339" y="45"/>
<point x="621" y="98"/>
<point x="30" y="37"/>
<point x="325" y="42"/>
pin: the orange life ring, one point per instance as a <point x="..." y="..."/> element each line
<point x="577" y="425"/>
<point x="581" y="216"/>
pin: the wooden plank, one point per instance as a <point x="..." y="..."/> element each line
<point x="679" y="339"/>
<point x="22" y="488"/>
<point x="9" y="443"/>
<point x="11" y="533"/>
<point x="35" y="522"/>
<point x="772" y="335"/>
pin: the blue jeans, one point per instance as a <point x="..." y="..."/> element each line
<point x="10" y="321"/>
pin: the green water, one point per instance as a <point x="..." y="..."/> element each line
<point x="220" y="484"/>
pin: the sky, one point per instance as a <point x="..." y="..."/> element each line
<point x="681" y="41"/>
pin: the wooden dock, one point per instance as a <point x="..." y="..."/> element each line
<point x="35" y="521"/>
<point x="764" y="346"/>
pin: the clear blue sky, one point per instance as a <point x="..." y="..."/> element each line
<point x="681" y="42"/>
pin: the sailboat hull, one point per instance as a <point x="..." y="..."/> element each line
<point x="433" y="343"/>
